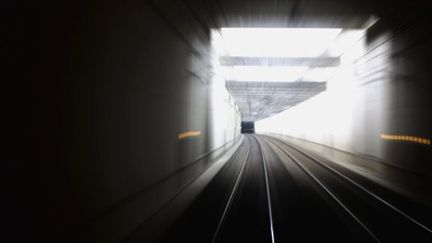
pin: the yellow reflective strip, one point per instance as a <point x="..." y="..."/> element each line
<point x="188" y="134"/>
<point x="407" y="138"/>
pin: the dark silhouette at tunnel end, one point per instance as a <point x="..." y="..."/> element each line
<point x="247" y="127"/>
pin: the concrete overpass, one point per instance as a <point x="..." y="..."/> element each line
<point x="118" y="126"/>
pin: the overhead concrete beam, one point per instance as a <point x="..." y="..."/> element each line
<point x="280" y="61"/>
<point x="258" y="100"/>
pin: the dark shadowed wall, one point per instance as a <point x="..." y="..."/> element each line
<point x="98" y="93"/>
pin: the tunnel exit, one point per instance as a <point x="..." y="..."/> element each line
<point x="270" y="70"/>
<point x="247" y="127"/>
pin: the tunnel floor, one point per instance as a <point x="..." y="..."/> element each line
<point x="273" y="191"/>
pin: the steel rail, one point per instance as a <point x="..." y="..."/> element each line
<point x="231" y="197"/>
<point x="267" y="190"/>
<point x="332" y="195"/>
<point x="370" y="193"/>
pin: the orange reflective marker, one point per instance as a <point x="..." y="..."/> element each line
<point x="406" y="138"/>
<point x="188" y="134"/>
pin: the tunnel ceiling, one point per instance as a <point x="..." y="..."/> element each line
<point x="288" y="13"/>
<point x="261" y="98"/>
<point x="346" y="14"/>
<point x="216" y="14"/>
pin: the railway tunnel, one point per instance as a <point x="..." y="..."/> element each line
<point x="217" y="121"/>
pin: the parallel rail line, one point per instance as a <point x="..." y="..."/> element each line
<point x="329" y="192"/>
<point x="231" y="197"/>
<point x="370" y="193"/>
<point x="267" y="191"/>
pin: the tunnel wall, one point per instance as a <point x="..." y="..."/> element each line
<point x="381" y="88"/>
<point x="100" y="92"/>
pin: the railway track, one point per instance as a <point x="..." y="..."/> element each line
<point x="383" y="221"/>
<point x="271" y="191"/>
<point x="248" y="213"/>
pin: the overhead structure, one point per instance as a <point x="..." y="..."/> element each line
<point x="258" y="100"/>
<point x="269" y="70"/>
<point x="280" y="61"/>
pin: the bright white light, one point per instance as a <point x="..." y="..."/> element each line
<point x="277" y="42"/>
<point x="346" y="40"/>
<point x="335" y="116"/>
<point x="320" y="74"/>
<point x="263" y="73"/>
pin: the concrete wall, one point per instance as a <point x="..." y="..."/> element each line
<point x="100" y="91"/>
<point x="381" y="87"/>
